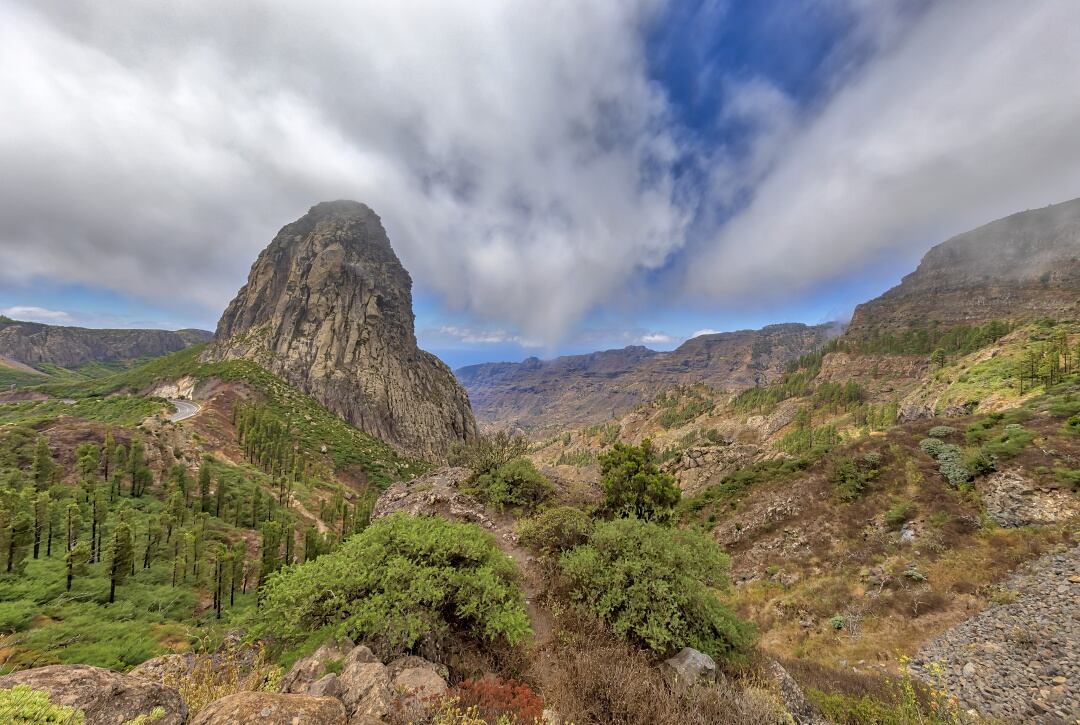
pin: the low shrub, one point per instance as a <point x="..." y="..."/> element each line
<point x="851" y="476"/>
<point x="555" y="530"/>
<point x="657" y="586"/>
<point x="23" y="705"/>
<point x="211" y="676"/>
<point x="516" y="484"/>
<point x="941" y="431"/>
<point x="495" y="700"/>
<point x="1009" y="444"/>
<point x="1072" y="425"/>
<point x="401" y="579"/>
<point x="950" y="460"/>
<point x="594" y="678"/>
<point x="901" y="511"/>
<point x="979" y="463"/>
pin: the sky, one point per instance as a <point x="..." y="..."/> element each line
<point x="557" y="176"/>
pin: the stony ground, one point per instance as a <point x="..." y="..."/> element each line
<point x="1020" y="661"/>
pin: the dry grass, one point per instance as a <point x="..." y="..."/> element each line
<point x="208" y="677"/>
<point x="595" y="679"/>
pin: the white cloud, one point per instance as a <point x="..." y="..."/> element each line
<point x="657" y="338"/>
<point x="30" y="313"/>
<point x="492" y="337"/>
<point x="706" y="331"/>
<point x="970" y="116"/>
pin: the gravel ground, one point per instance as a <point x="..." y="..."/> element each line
<point x="1019" y="662"/>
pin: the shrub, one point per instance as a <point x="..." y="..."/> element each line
<point x="901" y="511"/>
<point x="1072" y="425"/>
<point x="495" y="700"/>
<point x="594" y="678"/>
<point x="1009" y="444"/>
<point x="555" y="530"/>
<point x="941" y="431"/>
<point x="401" y="579"/>
<point x="635" y="486"/>
<point x="979" y="463"/>
<point x="210" y="676"/>
<point x="514" y="484"/>
<point x="950" y="460"/>
<point x="490" y="452"/>
<point x="23" y="705"/>
<point x="656" y="586"/>
<point x="850" y="477"/>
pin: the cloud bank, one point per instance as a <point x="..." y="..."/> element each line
<point x="526" y="166"/>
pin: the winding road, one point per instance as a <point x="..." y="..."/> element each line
<point x="184" y="410"/>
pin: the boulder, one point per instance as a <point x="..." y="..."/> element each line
<point x="326" y="686"/>
<point x="104" y="696"/>
<point x="408" y="662"/>
<point x="158" y="668"/>
<point x="306" y="671"/>
<point x="691" y="666"/>
<point x="418" y="691"/>
<point x="272" y="708"/>
<point x="791" y="694"/>
<point x="365" y="689"/>
<point x="1012" y="500"/>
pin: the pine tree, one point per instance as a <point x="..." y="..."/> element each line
<point x="239" y="554"/>
<point x="73" y="525"/>
<point x="78" y="556"/>
<point x="108" y="450"/>
<point x="16" y="536"/>
<point x="121" y="558"/>
<point x="219" y="497"/>
<point x="44" y="469"/>
<point x="154" y="539"/>
<point x="204" y="485"/>
<point x="42" y="511"/>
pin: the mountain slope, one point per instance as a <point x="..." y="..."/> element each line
<point x="328" y="307"/>
<point x="34" y="343"/>
<point x="1022" y="267"/>
<point x="583" y="389"/>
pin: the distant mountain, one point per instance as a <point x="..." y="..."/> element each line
<point x="328" y="307"/>
<point x="34" y="343"/>
<point x="1019" y="268"/>
<point x="584" y="389"/>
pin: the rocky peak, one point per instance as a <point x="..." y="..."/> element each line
<point x="328" y="307"/>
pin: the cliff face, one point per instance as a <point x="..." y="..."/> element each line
<point x="1022" y="267"/>
<point x="33" y="343"/>
<point x="584" y="389"/>
<point x="328" y="307"/>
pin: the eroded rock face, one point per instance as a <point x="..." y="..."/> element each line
<point x="1022" y="267"/>
<point x="328" y="307"/>
<point x="271" y="708"/>
<point x="1012" y="500"/>
<point x="32" y="343"/>
<point x="104" y="696"/>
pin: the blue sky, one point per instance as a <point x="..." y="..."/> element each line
<point x="558" y="177"/>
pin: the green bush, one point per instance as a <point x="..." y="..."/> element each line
<point x="635" y="486"/>
<point x="932" y="447"/>
<point x="514" y="484"/>
<point x="1072" y="425"/>
<point x="23" y="705"/>
<point x="950" y="460"/>
<point x="900" y="512"/>
<point x="555" y="530"/>
<point x="401" y="579"/>
<point x="656" y="586"/>
<point x="850" y="476"/>
<point x="941" y="431"/>
<point x="16" y="615"/>
<point x="1009" y="444"/>
<point x="979" y="463"/>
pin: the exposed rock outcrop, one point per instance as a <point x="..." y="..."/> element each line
<point x="583" y="389"/>
<point x="328" y="307"/>
<point x="1022" y="267"/>
<point x="271" y="708"/>
<point x="104" y="696"/>
<point x="433" y="494"/>
<point x="1012" y="500"/>
<point x="33" y="343"/>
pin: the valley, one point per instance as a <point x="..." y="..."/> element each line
<point x="311" y="515"/>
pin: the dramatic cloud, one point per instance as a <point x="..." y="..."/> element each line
<point x="517" y="153"/>
<point x="973" y="115"/>
<point x="526" y="166"/>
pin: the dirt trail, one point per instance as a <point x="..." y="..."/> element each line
<point x="533" y="581"/>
